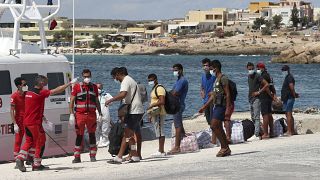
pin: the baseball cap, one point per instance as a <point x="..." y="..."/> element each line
<point x="261" y="65"/>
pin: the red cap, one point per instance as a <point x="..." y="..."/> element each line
<point x="261" y="65"/>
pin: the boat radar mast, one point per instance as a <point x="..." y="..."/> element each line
<point x="28" y="11"/>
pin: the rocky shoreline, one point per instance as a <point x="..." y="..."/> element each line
<point x="283" y="49"/>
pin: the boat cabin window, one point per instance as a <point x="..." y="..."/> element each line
<point x="30" y="79"/>
<point x="5" y="83"/>
<point x="55" y="80"/>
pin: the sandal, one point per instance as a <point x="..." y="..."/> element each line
<point x="174" y="151"/>
<point x="224" y="152"/>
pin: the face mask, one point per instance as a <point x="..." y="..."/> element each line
<point x="284" y="73"/>
<point x="25" y="88"/>
<point x="116" y="81"/>
<point x="212" y="73"/>
<point x="151" y="83"/>
<point x="87" y="80"/>
<point x="176" y="73"/>
<point x="250" y="72"/>
<point x="259" y="71"/>
<point x="99" y="91"/>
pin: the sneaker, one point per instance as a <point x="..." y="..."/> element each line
<point x="29" y="162"/>
<point x="254" y="138"/>
<point x="134" y="159"/>
<point x="103" y="144"/>
<point x="115" y="160"/>
<point x="158" y="155"/>
<point x="76" y="160"/>
<point x="93" y="159"/>
<point x="20" y="165"/>
<point x="39" y="168"/>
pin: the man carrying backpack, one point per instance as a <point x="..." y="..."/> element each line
<point x="130" y="96"/>
<point x="157" y="112"/>
<point x="180" y="90"/>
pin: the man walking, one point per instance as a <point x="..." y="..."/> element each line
<point x="33" y="117"/>
<point x="103" y="126"/>
<point x="207" y="81"/>
<point x="84" y="101"/>
<point x="17" y="112"/>
<point x="266" y="98"/>
<point x="288" y="96"/>
<point x="129" y="95"/>
<point x="157" y="112"/>
<point x="255" y="82"/>
<point x="180" y="90"/>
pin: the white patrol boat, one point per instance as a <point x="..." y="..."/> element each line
<point x="27" y="60"/>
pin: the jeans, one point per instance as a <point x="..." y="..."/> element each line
<point x="255" y="108"/>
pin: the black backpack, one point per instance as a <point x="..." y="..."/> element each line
<point x="115" y="137"/>
<point x="233" y="90"/>
<point x="248" y="129"/>
<point x="172" y="103"/>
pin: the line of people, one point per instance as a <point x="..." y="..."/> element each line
<point x="89" y="110"/>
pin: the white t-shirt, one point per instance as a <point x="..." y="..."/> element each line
<point x="130" y="85"/>
<point x="104" y="109"/>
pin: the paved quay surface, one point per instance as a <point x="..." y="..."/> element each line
<point x="296" y="157"/>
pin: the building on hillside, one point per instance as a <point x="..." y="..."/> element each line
<point x="191" y="28"/>
<point x="256" y="7"/>
<point x="316" y="14"/>
<point x="216" y="16"/>
<point x="305" y="8"/>
<point x="155" y="29"/>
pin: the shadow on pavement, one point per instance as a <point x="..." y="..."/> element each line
<point x="244" y="153"/>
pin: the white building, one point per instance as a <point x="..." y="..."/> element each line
<point x="316" y="14"/>
<point x="285" y="12"/>
<point x="191" y="27"/>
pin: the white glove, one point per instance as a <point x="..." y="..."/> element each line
<point x="74" y="80"/>
<point x="99" y="118"/>
<point x="16" y="128"/>
<point x="45" y="120"/>
<point x="71" y="119"/>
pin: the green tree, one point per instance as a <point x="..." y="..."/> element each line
<point x="277" y="19"/>
<point x="97" y="42"/>
<point x="295" y="16"/>
<point x="258" y="23"/>
<point x="304" y="21"/>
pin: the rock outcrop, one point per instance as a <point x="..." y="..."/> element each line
<point x="300" y="54"/>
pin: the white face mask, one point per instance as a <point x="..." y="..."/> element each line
<point x="176" y="73"/>
<point x="259" y="71"/>
<point x="151" y="83"/>
<point x="212" y="73"/>
<point x="99" y="91"/>
<point x="284" y="73"/>
<point x="116" y="81"/>
<point x="250" y="72"/>
<point x="25" y="88"/>
<point x="87" y="80"/>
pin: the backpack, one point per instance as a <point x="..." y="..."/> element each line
<point x="232" y="88"/>
<point x="248" y="129"/>
<point x="115" y="137"/>
<point x="143" y="93"/>
<point x="172" y="103"/>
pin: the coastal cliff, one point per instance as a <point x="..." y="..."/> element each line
<point x="300" y="54"/>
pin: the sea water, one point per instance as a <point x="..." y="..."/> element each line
<point x="139" y="67"/>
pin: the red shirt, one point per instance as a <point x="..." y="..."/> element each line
<point x="34" y="103"/>
<point x="76" y="89"/>
<point x="17" y="100"/>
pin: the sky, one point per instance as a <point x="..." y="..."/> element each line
<point x="146" y="9"/>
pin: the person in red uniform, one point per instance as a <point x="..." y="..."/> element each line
<point x="84" y="101"/>
<point x="33" y="117"/>
<point x="17" y="112"/>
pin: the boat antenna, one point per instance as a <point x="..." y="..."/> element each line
<point x="73" y="39"/>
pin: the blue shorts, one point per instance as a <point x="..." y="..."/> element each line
<point x="218" y="112"/>
<point x="177" y="118"/>
<point x="288" y="105"/>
